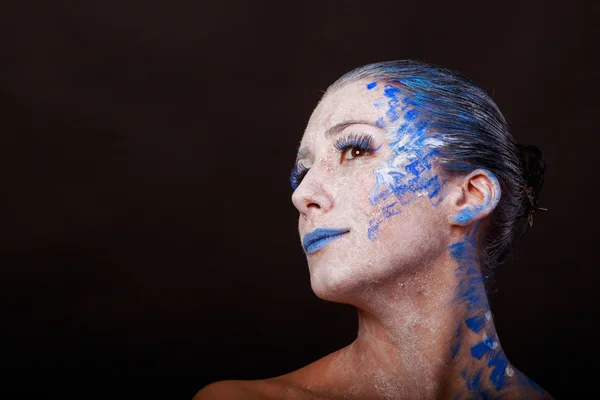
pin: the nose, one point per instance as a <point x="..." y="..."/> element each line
<point x="312" y="196"/>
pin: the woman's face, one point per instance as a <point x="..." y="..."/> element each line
<point x="369" y="196"/>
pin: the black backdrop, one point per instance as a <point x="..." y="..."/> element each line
<point x="149" y="243"/>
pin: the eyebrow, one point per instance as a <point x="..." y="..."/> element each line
<point x="335" y="130"/>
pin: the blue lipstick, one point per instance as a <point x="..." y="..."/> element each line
<point x="318" y="238"/>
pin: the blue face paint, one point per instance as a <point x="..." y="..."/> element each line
<point x="408" y="173"/>
<point x="389" y="211"/>
<point x="392" y="93"/>
<point x="386" y="212"/>
<point x="371" y="85"/>
<point x="410" y="115"/>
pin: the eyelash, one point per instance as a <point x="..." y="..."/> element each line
<point x="362" y="142"/>
<point x="297" y="175"/>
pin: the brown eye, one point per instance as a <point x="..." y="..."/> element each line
<point x="354" y="152"/>
<point x="354" y="146"/>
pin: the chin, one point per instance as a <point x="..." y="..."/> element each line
<point x="329" y="281"/>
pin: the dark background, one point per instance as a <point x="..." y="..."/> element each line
<point x="148" y="237"/>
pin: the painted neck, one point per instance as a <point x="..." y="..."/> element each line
<point x="436" y="330"/>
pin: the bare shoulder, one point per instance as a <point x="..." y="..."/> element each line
<point x="267" y="389"/>
<point x="299" y="384"/>
<point x="294" y="385"/>
<point x="230" y="390"/>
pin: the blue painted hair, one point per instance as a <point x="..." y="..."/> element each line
<point x="475" y="135"/>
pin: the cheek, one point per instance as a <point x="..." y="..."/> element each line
<point x="300" y="223"/>
<point x="398" y="186"/>
<point x="352" y="192"/>
<point x="414" y="236"/>
<point x="385" y="213"/>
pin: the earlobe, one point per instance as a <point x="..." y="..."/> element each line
<point x="480" y="194"/>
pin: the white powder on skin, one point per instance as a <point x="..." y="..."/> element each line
<point x="402" y="282"/>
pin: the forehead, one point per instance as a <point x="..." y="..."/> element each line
<point x="353" y="101"/>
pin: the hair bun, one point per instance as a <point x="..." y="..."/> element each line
<point x="532" y="167"/>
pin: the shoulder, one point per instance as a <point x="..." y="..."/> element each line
<point x="229" y="390"/>
<point x="226" y="390"/>
<point x="299" y="384"/>
<point x="248" y="390"/>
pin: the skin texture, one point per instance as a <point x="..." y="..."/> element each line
<point x="408" y="263"/>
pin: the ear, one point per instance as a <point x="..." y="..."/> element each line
<point x="478" y="194"/>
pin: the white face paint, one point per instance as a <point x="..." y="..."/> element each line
<point x="389" y="201"/>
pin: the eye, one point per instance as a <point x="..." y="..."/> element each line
<point x="355" y="146"/>
<point x="354" y="152"/>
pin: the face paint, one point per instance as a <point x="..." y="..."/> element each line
<point x="407" y="174"/>
<point x="385" y="197"/>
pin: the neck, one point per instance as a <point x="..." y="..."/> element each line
<point x="434" y="330"/>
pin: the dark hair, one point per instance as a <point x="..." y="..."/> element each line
<point x="475" y="135"/>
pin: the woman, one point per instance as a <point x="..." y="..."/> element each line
<point x="410" y="190"/>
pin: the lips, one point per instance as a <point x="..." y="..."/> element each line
<point x="318" y="238"/>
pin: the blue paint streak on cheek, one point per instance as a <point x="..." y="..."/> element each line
<point x="433" y="186"/>
<point x="386" y="212"/>
<point x="373" y="227"/>
<point x="371" y="85"/>
<point x="390" y="211"/>
<point x="403" y="175"/>
<point x="409" y="191"/>
<point x="416" y="167"/>
<point x="381" y="181"/>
